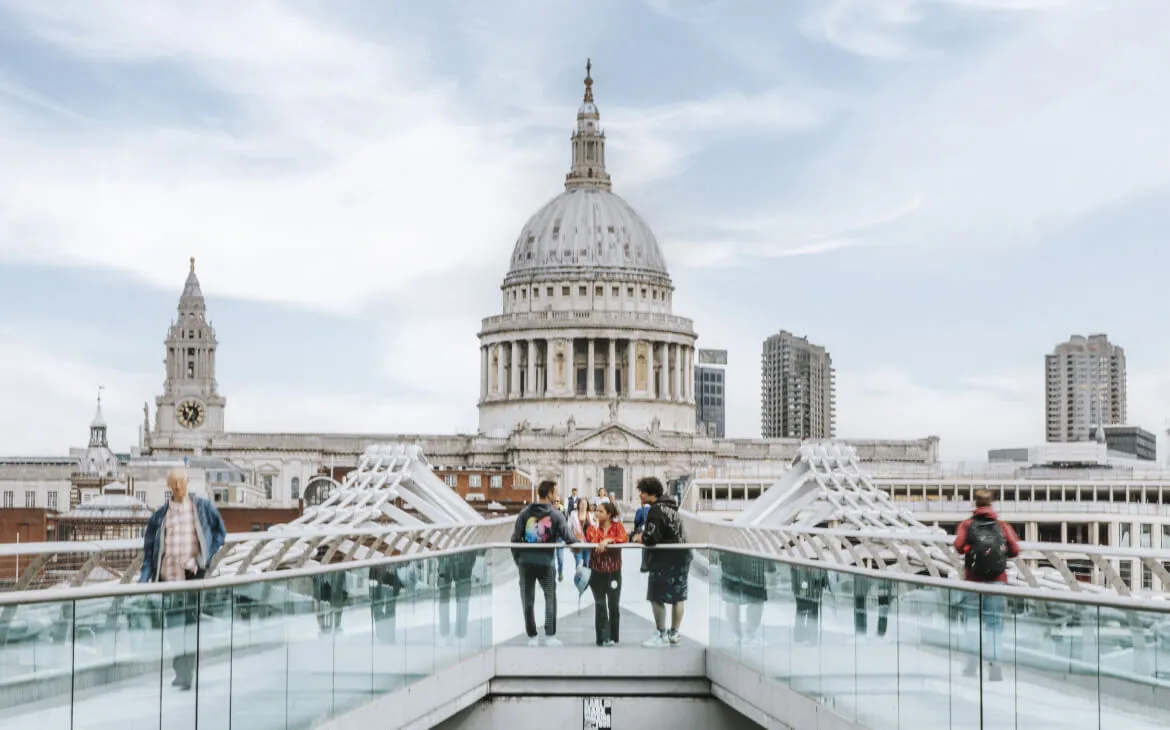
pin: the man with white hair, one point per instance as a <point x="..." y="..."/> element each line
<point x="180" y="540"/>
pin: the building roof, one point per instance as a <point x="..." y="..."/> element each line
<point x="587" y="226"/>
<point x="113" y="505"/>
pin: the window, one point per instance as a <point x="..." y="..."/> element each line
<point x="30" y="499"/>
<point x="536" y="292"/>
<point x="296" y="488"/>
<point x="8" y="497"/>
<point x="451" y="480"/>
<point x="549" y="292"/>
<point x="617" y="291"/>
<point x="582" y="290"/>
<point x="599" y="291"/>
<point x="475" y="481"/>
<point x="497" y="481"/>
<point x="565" y="290"/>
<point x="643" y="293"/>
<point x="629" y="291"/>
<point x="52" y="500"/>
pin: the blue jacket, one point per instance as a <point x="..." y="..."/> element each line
<point x="209" y="530"/>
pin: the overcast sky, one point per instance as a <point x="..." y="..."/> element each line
<point x="938" y="191"/>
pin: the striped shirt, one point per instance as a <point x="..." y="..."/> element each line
<point x="181" y="544"/>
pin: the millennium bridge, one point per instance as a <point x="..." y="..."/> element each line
<point x="861" y="620"/>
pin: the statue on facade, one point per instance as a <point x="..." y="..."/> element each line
<point x="613" y="408"/>
<point x="571" y="424"/>
<point x="655" y="424"/>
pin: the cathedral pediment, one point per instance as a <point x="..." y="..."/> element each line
<point x="614" y="437"/>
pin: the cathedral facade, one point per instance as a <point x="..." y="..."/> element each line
<point x="587" y="374"/>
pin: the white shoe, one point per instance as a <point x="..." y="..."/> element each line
<point x="607" y="642"/>
<point x="534" y="641"/>
<point x="673" y="636"/>
<point x="552" y="641"/>
<point x="657" y="641"/>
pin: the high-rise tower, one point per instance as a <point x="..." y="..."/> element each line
<point x="190" y="409"/>
<point x="1085" y="388"/>
<point x="798" y="398"/>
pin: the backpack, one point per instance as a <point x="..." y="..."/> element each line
<point x="987" y="550"/>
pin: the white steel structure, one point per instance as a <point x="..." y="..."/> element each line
<point x="826" y="508"/>
<point x="393" y="504"/>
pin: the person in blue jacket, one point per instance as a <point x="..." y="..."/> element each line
<point x="179" y="543"/>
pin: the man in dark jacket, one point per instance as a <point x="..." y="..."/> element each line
<point x="540" y="523"/>
<point x="179" y="543"/>
<point x="986" y="544"/>
<point x="668" y="568"/>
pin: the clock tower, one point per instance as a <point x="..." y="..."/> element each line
<point x="190" y="409"/>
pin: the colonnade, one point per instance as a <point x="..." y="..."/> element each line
<point x="591" y="367"/>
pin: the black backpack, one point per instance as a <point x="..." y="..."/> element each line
<point x="987" y="549"/>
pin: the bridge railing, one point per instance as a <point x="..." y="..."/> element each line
<point x="295" y="647"/>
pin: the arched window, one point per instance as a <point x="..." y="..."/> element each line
<point x="318" y="490"/>
<point x="296" y="488"/>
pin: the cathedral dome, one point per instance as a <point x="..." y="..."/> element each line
<point x="589" y="228"/>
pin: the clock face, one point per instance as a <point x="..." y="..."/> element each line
<point x="190" y="414"/>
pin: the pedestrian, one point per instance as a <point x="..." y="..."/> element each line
<point x="808" y="587"/>
<point x="179" y="543"/>
<point x="606" y="579"/>
<point x="455" y="576"/>
<point x="579" y="521"/>
<point x="668" y="569"/>
<point x="539" y="524"/>
<point x="986" y="544"/>
<point x="743" y="583"/>
<point x="571" y="505"/>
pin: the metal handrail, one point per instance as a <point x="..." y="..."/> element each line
<point x="132" y="589"/>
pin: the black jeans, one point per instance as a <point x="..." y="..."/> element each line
<point x="808" y="620"/>
<point x="607" y="596"/>
<point x="861" y="615"/>
<point x="546" y="575"/>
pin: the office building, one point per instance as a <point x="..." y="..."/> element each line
<point x="710" y="398"/>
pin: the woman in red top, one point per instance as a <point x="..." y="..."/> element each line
<point x="606" y="580"/>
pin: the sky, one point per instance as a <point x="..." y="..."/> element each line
<point x="938" y="191"/>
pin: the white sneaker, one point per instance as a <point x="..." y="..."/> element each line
<point x="657" y="641"/>
<point x="552" y="641"/>
<point x="608" y="642"/>
<point x="534" y="641"/>
<point x="673" y="636"/>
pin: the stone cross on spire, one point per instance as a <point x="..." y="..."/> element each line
<point x="588" y="81"/>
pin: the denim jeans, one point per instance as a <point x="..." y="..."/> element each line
<point x="991" y="623"/>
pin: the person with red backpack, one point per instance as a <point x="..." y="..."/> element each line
<point x="986" y="545"/>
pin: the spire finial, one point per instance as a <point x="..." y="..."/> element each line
<point x="192" y="264"/>
<point x="100" y="389"/>
<point x="588" y="81"/>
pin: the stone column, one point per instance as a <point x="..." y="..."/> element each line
<point x="611" y="371"/>
<point x="630" y="366"/>
<point x="676" y="391"/>
<point x="514" y="366"/>
<point x="548" y="366"/>
<point x="531" y="390"/>
<point x="691" y="374"/>
<point x="650" y="376"/>
<point x="484" y="377"/>
<point x="664" y="364"/>
<point x="589" y="371"/>
<point x="500" y="378"/>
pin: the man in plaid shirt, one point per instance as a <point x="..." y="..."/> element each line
<point x="181" y="539"/>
